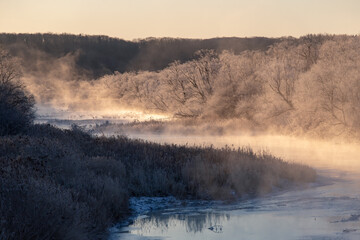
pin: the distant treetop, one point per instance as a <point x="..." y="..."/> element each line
<point x="99" y="55"/>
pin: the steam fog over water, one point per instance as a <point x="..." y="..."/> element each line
<point x="252" y="134"/>
<point x="318" y="154"/>
<point x="326" y="209"/>
<point x="321" y="154"/>
<point x="294" y="98"/>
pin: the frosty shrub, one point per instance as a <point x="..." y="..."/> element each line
<point x="16" y="105"/>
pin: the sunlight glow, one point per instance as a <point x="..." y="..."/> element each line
<point x="187" y="19"/>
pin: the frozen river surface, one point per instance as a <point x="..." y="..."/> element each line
<point x="329" y="210"/>
<point x="326" y="209"/>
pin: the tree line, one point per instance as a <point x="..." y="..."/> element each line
<point x="298" y="85"/>
<point x="68" y="184"/>
<point x="100" y="55"/>
<point x="306" y="85"/>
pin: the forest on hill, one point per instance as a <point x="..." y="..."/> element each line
<point x="68" y="184"/>
<point x="303" y="86"/>
<point x="307" y="85"/>
<point x="300" y="86"/>
<point x="100" y="55"/>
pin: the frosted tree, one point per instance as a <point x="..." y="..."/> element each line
<point x="333" y="85"/>
<point x="191" y="84"/>
<point x="237" y="86"/>
<point x="281" y="72"/>
<point x="16" y="105"/>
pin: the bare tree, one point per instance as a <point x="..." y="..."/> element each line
<point x="310" y="46"/>
<point x="237" y="86"/>
<point x="332" y="87"/>
<point x="16" y="105"/>
<point x="193" y="82"/>
<point x="281" y="72"/>
<point x="178" y="84"/>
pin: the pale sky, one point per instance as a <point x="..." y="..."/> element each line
<point x="131" y="19"/>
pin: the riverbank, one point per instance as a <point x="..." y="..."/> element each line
<point x="67" y="184"/>
<point x="327" y="209"/>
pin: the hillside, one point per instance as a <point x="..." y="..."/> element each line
<point x="100" y="55"/>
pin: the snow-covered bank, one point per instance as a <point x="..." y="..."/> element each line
<point x="329" y="209"/>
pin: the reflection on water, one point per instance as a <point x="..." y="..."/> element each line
<point x="328" y="209"/>
<point x="194" y="222"/>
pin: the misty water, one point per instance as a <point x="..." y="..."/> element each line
<point x="326" y="209"/>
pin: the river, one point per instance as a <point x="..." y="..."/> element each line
<point x="326" y="209"/>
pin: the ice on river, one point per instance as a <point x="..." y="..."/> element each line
<point x="330" y="209"/>
<point x="327" y="209"/>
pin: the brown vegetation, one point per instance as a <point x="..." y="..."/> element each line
<point x="16" y="105"/>
<point x="65" y="184"/>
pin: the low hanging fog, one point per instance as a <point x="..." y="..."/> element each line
<point x="238" y="120"/>
<point x="305" y="87"/>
